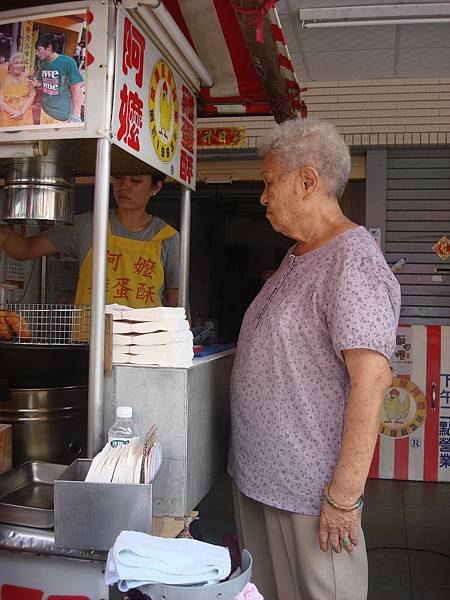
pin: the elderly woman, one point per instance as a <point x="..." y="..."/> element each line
<point x="16" y="94"/>
<point x="310" y="374"/>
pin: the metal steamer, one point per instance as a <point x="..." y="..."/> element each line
<point x="38" y="192"/>
<point x="43" y="379"/>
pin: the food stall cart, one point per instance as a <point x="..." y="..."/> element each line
<point x="141" y="80"/>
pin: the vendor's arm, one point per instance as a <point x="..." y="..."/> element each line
<point x="20" y="247"/>
<point x="172" y="296"/>
<point x="172" y="269"/>
<point x="370" y="377"/>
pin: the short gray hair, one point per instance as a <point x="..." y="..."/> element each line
<point x="298" y="143"/>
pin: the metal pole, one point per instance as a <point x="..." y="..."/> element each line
<point x="99" y="250"/>
<point x="44" y="280"/>
<point x="185" y="233"/>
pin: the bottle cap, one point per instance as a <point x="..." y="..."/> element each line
<point x="124" y="412"/>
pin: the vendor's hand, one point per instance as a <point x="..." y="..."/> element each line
<point x="17" y="114"/>
<point x="338" y="527"/>
<point x="5" y="230"/>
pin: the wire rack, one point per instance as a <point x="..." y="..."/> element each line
<point x="44" y="324"/>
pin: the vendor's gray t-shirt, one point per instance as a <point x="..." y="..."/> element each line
<point x="76" y="241"/>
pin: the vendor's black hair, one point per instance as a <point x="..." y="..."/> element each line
<point x="157" y="176"/>
<point x="49" y="39"/>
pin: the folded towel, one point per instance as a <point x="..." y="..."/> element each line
<point x="139" y="559"/>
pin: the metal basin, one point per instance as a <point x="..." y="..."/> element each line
<point x="26" y="494"/>
<point x="48" y="425"/>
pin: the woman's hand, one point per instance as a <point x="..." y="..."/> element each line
<point x="338" y="529"/>
<point x="17" y="114"/>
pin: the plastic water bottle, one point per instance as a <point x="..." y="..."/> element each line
<point x="123" y="430"/>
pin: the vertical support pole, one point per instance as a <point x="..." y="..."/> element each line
<point x="185" y="234"/>
<point x="43" y="294"/>
<point x="99" y="250"/>
<point x="97" y="330"/>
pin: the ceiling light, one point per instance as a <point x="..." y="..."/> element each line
<point x="387" y="14"/>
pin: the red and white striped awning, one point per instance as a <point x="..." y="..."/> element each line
<point x="242" y="45"/>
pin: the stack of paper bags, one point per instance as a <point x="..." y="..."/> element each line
<point x="151" y="336"/>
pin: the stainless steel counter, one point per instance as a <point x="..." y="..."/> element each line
<point x="190" y="407"/>
<point x="39" y="541"/>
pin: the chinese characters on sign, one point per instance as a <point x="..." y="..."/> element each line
<point x="187" y="135"/>
<point x="403" y="349"/>
<point x="131" y="104"/>
<point x="232" y="137"/>
<point x="444" y="422"/>
<point x="154" y="113"/>
<point x="401" y="361"/>
<point x="27" y="44"/>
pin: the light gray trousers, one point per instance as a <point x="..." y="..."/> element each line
<point x="287" y="561"/>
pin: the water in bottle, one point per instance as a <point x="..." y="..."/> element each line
<point x="123" y="430"/>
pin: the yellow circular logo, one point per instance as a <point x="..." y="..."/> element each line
<point x="163" y="107"/>
<point x="404" y="409"/>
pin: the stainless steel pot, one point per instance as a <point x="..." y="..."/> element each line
<point x="38" y="204"/>
<point x="38" y="170"/>
<point x="38" y="192"/>
<point x="48" y="425"/>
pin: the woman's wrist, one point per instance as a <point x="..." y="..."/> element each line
<point x="341" y="501"/>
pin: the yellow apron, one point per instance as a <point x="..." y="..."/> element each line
<point x="134" y="272"/>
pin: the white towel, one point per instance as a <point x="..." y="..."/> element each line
<point x="138" y="559"/>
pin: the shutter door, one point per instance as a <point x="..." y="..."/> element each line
<point x="417" y="216"/>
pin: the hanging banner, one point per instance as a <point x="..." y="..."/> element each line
<point x="154" y="112"/>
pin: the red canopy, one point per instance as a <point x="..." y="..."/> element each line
<point x="242" y="45"/>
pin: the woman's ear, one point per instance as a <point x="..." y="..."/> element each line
<point x="156" y="188"/>
<point x="310" y="179"/>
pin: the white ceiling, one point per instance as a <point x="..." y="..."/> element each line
<point x="365" y="52"/>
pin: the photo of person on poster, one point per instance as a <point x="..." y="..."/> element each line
<point x="17" y="94"/>
<point x="60" y="81"/>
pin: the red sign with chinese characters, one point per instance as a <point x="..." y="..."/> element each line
<point x="154" y="113"/>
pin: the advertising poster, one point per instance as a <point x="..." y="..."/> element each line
<point x="154" y="112"/>
<point x="43" y="64"/>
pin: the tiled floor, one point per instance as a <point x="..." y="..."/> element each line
<point x="407" y="529"/>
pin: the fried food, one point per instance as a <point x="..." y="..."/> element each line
<point x="19" y="325"/>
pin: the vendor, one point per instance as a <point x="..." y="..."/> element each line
<point x="143" y="251"/>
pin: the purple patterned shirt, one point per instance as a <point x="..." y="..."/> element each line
<point x="290" y="385"/>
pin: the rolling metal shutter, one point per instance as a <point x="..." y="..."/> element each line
<point x="418" y="215"/>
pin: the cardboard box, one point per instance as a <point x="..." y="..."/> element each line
<point x="5" y="448"/>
